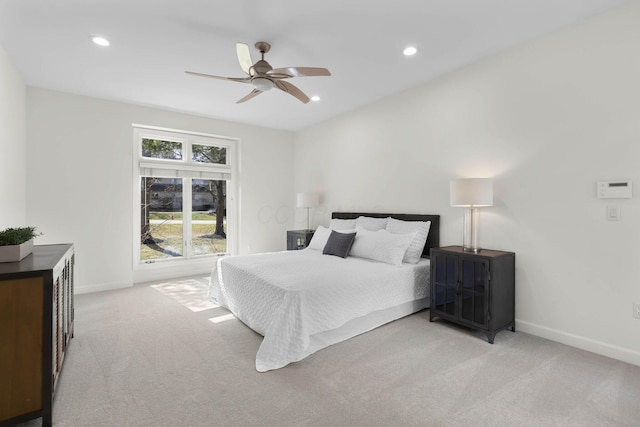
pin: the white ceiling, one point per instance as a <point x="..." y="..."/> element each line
<point x="360" y="41"/>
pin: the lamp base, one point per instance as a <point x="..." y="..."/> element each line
<point x="471" y="250"/>
<point x="470" y="230"/>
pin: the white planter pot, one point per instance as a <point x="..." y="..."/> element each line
<point x="13" y="253"/>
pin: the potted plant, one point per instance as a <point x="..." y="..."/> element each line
<point x="16" y="243"/>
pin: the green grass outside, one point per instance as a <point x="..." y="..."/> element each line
<point x="178" y="216"/>
<point x="168" y="239"/>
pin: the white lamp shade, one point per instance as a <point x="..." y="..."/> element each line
<point x="308" y="200"/>
<point x="471" y="192"/>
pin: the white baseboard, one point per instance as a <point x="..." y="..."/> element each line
<point x="598" y="347"/>
<point x="152" y="273"/>
<point x="99" y="287"/>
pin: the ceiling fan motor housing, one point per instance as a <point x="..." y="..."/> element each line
<point x="261" y="67"/>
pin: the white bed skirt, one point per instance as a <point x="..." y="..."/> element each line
<point x="364" y="324"/>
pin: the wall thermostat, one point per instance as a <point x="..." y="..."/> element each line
<point x="614" y="189"/>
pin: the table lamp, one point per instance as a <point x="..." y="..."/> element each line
<point x="308" y="201"/>
<point x="471" y="193"/>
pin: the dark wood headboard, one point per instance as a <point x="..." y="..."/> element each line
<point x="433" y="240"/>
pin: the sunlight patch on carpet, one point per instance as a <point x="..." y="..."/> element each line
<point x="192" y="293"/>
<point x="222" y="318"/>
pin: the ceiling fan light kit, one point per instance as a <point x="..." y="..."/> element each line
<point x="261" y="83"/>
<point x="264" y="77"/>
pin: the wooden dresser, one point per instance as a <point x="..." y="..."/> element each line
<point x="36" y="325"/>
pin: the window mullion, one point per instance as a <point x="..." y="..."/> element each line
<point x="187" y="152"/>
<point x="187" y="215"/>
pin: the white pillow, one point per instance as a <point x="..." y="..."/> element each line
<point x="421" y="230"/>
<point x="381" y="245"/>
<point x="370" y="223"/>
<point x="320" y="237"/>
<point x="342" y="224"/>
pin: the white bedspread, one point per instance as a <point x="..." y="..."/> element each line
<point x="290" y="296"/>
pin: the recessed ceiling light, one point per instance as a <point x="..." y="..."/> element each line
<point x="100" y="41"/>
<point x="410" y="51"/>
<point x="315" y="98"/>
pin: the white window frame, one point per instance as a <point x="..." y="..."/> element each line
<point x="184" y="168"/>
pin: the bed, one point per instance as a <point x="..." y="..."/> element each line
<point x="303" y="301"/>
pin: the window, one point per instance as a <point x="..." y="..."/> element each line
<point x="184" y="195"/>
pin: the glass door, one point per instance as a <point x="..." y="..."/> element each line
<point x="182" y="218"/>
<point x="473" y="296"/>
<point x="444" y="284"/>
<point x="208" y="216"/>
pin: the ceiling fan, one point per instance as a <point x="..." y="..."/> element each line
<point x="264" y="77"/>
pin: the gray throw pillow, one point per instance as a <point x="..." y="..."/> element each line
<point x="339" y="244"/>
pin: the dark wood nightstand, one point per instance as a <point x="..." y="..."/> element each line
<point x="298" y="239"/>
<point x="474" y="290"/>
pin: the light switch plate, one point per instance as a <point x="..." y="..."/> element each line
<point x="613" y="213"/>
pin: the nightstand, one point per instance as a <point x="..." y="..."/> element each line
<point x="474" y="290"/>
<point x="298" y="239"/>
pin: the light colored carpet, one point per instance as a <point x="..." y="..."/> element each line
<point x="190" y="292"/>
<point x="140" y="358"/>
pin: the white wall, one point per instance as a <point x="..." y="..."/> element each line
<point x="12" y="145"/>
<point x="80" y="181"/>
<point x="546" y="121"/>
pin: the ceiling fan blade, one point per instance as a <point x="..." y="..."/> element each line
<point x="292" y="90"/>
<point x="253" y="93"/>
<point x="211" y="76"/>
<point x="299" y="72"/>
<point x="244" y="57"/>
